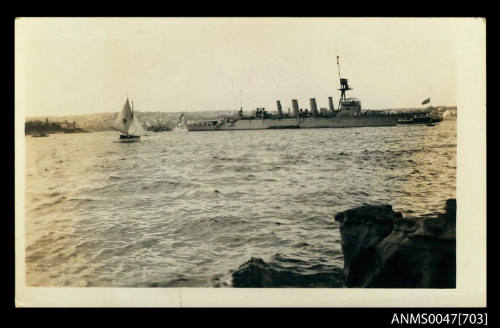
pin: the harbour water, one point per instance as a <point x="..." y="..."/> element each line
<point x="188" y="208"/>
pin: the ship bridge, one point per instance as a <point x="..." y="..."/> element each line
<point x="352" y="100"/>
<point x="350" y="107"/>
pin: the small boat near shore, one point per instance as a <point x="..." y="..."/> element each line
<point x="40" y="134"/>
<point x="425" y="119"/>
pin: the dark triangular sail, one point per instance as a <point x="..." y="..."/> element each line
<point x="124" y="119"/>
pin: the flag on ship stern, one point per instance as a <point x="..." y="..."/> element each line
<point x="426" y="101"/>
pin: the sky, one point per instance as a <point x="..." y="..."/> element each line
<point x="72" y="66"/>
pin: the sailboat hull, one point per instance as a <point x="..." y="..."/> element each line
<point x="129" y="137"/>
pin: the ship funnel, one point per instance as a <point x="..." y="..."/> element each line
<point x="280" y="111"/>
<point x="295" y="106"/>
<point x="314" y="107"/>
<point x="330" y="103"/>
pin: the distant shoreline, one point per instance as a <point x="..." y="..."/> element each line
<point x="169" y="120"/>
<point x="216" y="112"/>
<point x="42" y="128"/>
<point x="34" y="133"/>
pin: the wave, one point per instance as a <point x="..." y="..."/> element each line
<point x="162" y="183"/>
<point x="50" y="204"/>
<point x="190" y="210"/>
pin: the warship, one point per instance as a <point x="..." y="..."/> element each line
<point x="347" y="115"/>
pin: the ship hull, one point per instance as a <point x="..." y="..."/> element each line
<point x="294" y="123"/>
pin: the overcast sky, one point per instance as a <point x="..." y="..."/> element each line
<point x="77" y="66"/>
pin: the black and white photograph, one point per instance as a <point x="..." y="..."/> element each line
<point x="237" y="161"/>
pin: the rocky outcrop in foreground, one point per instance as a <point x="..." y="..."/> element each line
<point x="283" y="272"/>
<point x="384" y="250"/>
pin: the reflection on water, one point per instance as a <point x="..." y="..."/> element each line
<point x="185" y="209"/>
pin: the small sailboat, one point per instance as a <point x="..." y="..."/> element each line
<point x="128" y="124"/>
<point x="182" y="123"/>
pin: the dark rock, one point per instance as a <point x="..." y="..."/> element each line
<point x="258" y="273"/>
<point x="383" y="250"/>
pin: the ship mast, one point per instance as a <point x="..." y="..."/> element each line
<point x="344" y="86"/>
<point x="338" y="64"/>
<point x="241" y="106"/>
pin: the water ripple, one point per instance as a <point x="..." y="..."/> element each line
<point x="189" y="209"/>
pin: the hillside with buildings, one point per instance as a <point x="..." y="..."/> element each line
<point x="103" y="121"/>
<point x="149" y="120"/>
